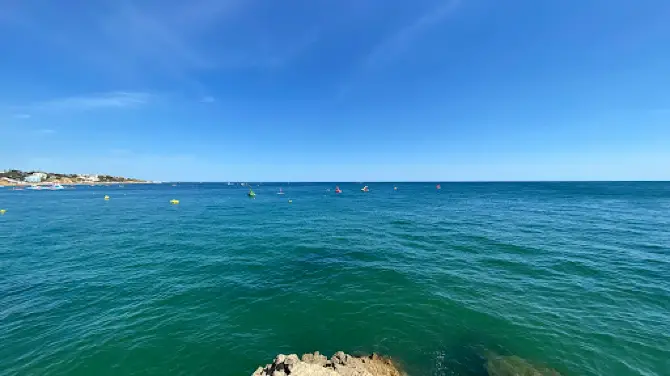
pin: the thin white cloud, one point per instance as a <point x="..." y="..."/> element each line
<point x="208" y="99"/>
<point x="149" y="36"/>
<point x="118" y="151"/>
<point x="45" y="132"/>
<point x="140" y="42"/>
<point x="119" y="99"/>
<point x="397" y="42"/>
<point x="21" y="116"/>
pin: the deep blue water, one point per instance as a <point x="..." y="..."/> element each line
<point x="574" y="276"/>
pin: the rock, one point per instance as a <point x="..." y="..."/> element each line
<point x="321" y="359"/>
<point x="290" y="362"/>
<point x="515" y="366"/>
<point x="340" y="364"/>
<point x="340" y="358"/>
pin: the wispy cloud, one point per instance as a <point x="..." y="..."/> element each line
<point x="400" y="40"/>
<point x="149" y="36"/>
<point x="396" y="43"/>
<point x="119" y="99"/>
<point x="22" y="116"/>
<point x="207" y="99"/>
<point x="145" y="42"/>
<point x="44" y="132"/>
<point x="120" y="152"/>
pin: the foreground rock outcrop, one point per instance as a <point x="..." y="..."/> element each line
<point x="340" y="364"/>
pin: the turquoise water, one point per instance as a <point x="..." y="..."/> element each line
<point x="575" y="276"/>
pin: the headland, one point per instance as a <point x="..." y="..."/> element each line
<point x="18" y="178"/>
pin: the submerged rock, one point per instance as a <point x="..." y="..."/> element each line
<point x="515" y="366"/>
<point x="340" y="364"/>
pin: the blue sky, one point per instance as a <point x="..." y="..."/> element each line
<point x="347" y="90"/>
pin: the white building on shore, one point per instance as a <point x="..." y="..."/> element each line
<point x="36" y="177"/>
<point x="89" y="178"/>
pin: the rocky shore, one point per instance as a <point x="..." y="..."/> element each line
<point x="340" y="364"/>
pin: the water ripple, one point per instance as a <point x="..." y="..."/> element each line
<point x="572" y="275"/>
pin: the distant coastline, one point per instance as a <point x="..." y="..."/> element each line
<point x="19" y="178"/>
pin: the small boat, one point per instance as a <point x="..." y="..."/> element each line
<point x="438" y="187"/>
<point x="338" y="190"/>
<point x="34" y="187"/>
<point x="251" y="194"/>
<point x="55" y="187"/>
<point x="365" y="189"/>
<point x="280" y="192"/>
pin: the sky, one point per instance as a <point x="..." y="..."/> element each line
<point x="337" y="90"/>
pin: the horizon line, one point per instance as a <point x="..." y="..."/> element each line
<point x="410" y="181"/>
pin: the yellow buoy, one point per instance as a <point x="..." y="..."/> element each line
<point x="174" y="202"/>
<point x="106" y="197"/>
<point x="3" y="211"/>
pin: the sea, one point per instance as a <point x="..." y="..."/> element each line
<point x="572" y="276"/>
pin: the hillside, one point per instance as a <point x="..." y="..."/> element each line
<point x="11" y="177"/>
